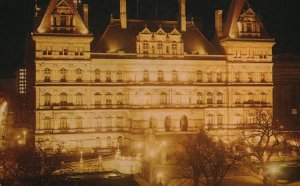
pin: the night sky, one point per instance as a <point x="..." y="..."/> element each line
<point x="280" y="17"/>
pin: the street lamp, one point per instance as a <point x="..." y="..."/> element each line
<point x="25" y="136"/>
<point x="273" y="169"/>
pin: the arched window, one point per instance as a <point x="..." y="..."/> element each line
<point x="97" y="75"/>
<point x="108" y="98"/>
<point x="163" y="98"/>
<point x="78" y="75"/>
<point x="119" y="76"/>
<point x="47" y="99"/>
<point x="47" y="123"/>
<point x="120" y="98"/>
<point x="63" y="75"/>
<point x="63" y="98"/>
<point x="120" y="141"/>
<point x="219" y="98"/>
<point x="63" y="123"/>
<point x="108" y="76"/>
<point x="237" y="98"/>
<point x="160" y="75"/>
<point x="209" y="98"/>
<point x="109" y="121"/>
<point x="237" y="119"/>
<point x="168" y="123"/>
<point x="108" y="142"/>
<point x="146" y="75"/>
<point x="199" y="76"/>
<point x="119" y="121"/>
<point x="174" y="75"/>
<point x="79" y="122"/>
<point x="183" y="123"/>
<point x="219" y="119"/>
<point x="250" y="119"/>
<point x="97" y="98"/>
<point x="47" y="75"/>
<point x="79" y="99"/>
<point x="199" y="98"/>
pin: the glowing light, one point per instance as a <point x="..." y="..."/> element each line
<point x="274" y="169"/>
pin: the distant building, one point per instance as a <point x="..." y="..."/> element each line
<point x="22" y="81"/>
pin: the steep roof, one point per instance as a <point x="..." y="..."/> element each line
<point x="236" y="9"/>
<point x="45" y="23"/>
<point x="116" y="39"/>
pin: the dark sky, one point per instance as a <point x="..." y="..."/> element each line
<point x="280" y="17"/>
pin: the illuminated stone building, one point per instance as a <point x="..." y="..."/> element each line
<point x="141" y="78"/>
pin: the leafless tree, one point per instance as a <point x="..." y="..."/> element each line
<point x="262" y="142"/>
<point x="29" y="166"/>
<point x="202" y="155"/>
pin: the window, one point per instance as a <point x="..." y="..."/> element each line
<point x="263" y="97"/>
<point x="97" y="98"/>
<point x="219" y="98"/>
<point x="98" y="121"/>
<point x="209" y="76"/>
<point x="160" y="75"/>
<point x="219" y="119"/>
<point x="146" y="75"/>
<point x="163" y="98"/>
<point x="250" y="77"/>
<point x="78" y="75"/>
<point x="145" y="47"/>
<point x="199" y="98"/>
<point x="174" y="48"/>
<point x="209" y="98"/>
<point x="219" y="77"/>
<point x="160" y="48"/>
<point x="120" y="141"/>
<point x="237" y="119"/>
<point x="47" y="123"/>
<point x="237" y="54"/>
<point x="177" y="98"/>
<point x="148" y="98"/>
<point x="248" y="27"/>
<point x="63" y="98"/>
<point x="184" y="123"/>
<point x="108" y="76"/>
<point x="250" y="119"/>
<point x="199" y="76"/>
<point x="168" y="123"/>
<point x="237" y="76"/>
<point x="120" y="98"/>
<point x="251" y="97"/>
<point x="63" y="75"/>
<point x="108" y="142"/>
<point x="262" y="77"/>
<point x="47" y="75"/>
<point x="63" y="123"/>
<point x="63" y="20"/>
<point x="210" y="119"/>
<point x="119" y="76"/>
<point x="79" y="122"/>
<point x="237" y="98"/>
<point x="119" y="122"/>
<point x="47" y="99"/>
<point x="97" y="75"/>
<point x="108" y="98"/>
<point x="109" y="121"/>
<point x="174" y="75"/>
<point x="79" y="99"/>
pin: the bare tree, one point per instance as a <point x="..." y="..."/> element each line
<point x="29" y="166"/>
<point x="202" y="155"/>
<point x="262" y="143"/>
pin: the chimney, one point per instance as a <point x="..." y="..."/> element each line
<point x="218" y="22"/>
<point x="86" y="15"/>
<point x="182" y="15"/>
<point x="123" y="14"/>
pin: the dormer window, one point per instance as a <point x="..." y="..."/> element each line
<point x="249" y="25"/>
<point x="62" y="18"/>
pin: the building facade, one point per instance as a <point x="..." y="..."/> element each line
<point x="141" y="78"/>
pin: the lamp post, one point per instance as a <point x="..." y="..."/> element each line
<point x="25" y="136"/>
<point x="81" y="161"/>
<point x="273" y="177"/>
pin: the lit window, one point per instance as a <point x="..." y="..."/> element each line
<point x="237" y="76"/>
<point x="237" y="119"/>
<point x="163" y="98"/>
<point x="97" y="75"/>
<point x="199" y="76"/>
<point x="79" y="122"/>
<point x="108" y="76"/>
<point x="63" y="98"/>
<point x="120" y="98"/>
<point x="97" y="98"/>
<point x="219" y="98"/>
<point x="219" y="119"/>
<point x="219" y="77"/>
<point x="47" y="123"/>
<point x="237" y="98"/>
<point x="63" y="74"/>
<point x="174" y="75"/>
<point x="146" y="75"/>
<point x="209" y="76"/>
<point x="210" y="119"/>
<point x="119" y="122"/>
<point x="79" y="99"/>
<point x="47" y="75"/>
<point x="47" y="99"/>
<point x="262" y="77"/>
<point x="79" y="75"/>
<point x="209" y="98"/>
<point x="160" y="75"/>
<point x="108" y="98"/>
